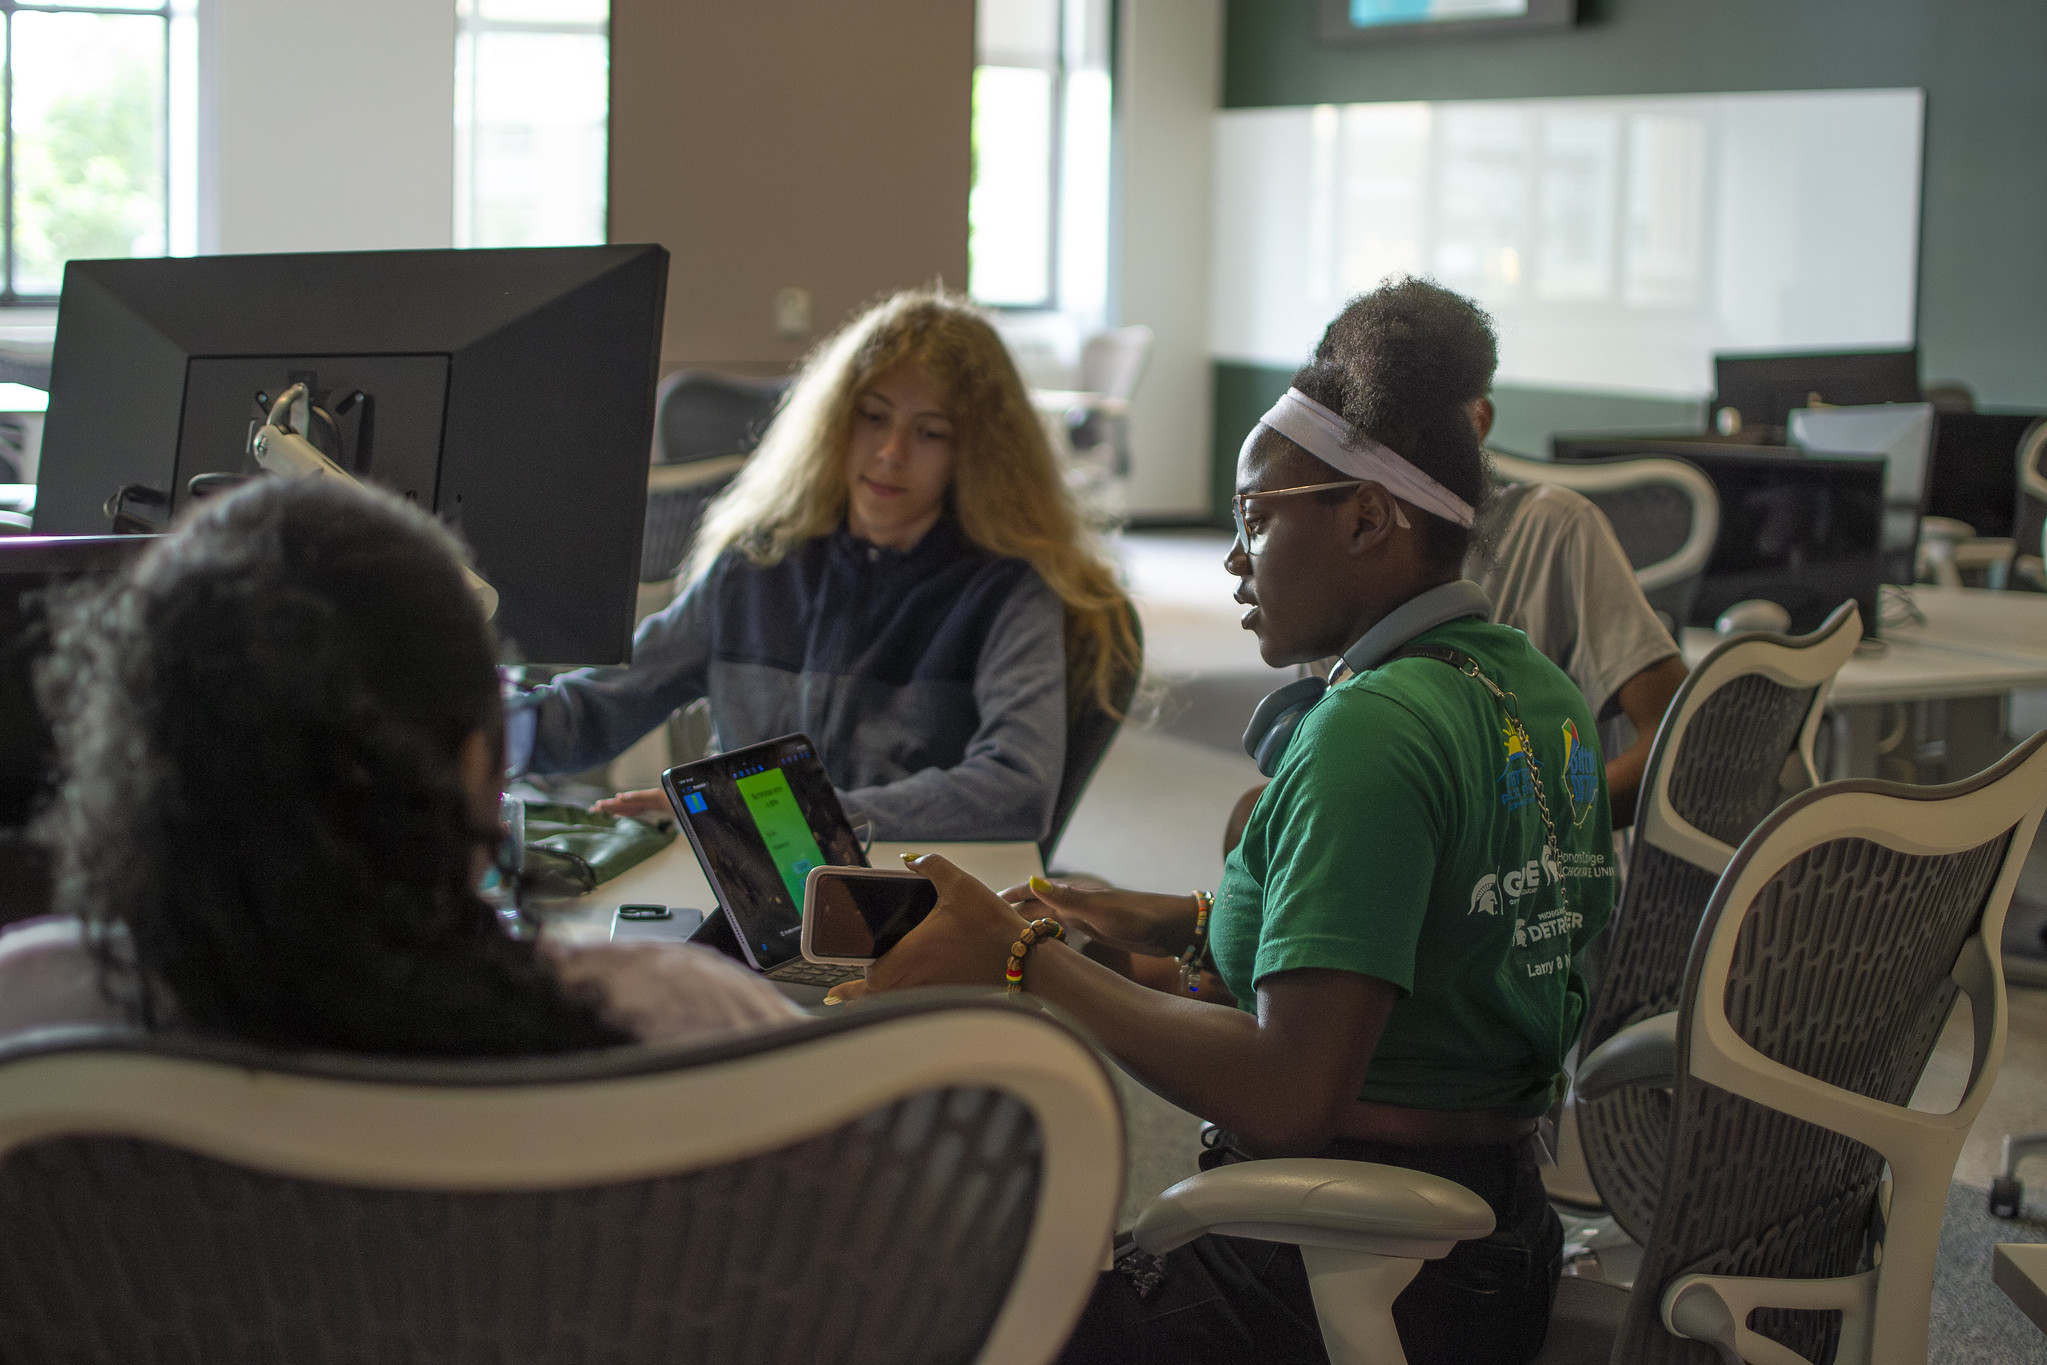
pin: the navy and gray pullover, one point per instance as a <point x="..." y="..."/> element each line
<point x="932" y="680"/>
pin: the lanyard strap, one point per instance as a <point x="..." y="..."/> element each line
<point x="1510" y="706"/>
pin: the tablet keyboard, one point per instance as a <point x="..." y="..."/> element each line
<point x="802" y="972"/>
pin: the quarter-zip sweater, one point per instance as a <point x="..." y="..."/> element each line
<point x="932" y="680"/>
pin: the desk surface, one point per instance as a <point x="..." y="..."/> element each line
<point x="1973" y="643"/>
<point x="673" y="877"/>
<point x="2004" y="625"/>
<point x="1909" y="670"/>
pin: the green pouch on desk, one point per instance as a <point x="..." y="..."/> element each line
<point x="570" y="851"/>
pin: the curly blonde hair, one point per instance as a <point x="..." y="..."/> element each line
<point x="1007" y="492"/>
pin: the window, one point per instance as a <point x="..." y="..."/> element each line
<point x="1039" y="212"/>
<point x="94" y="143"/>
<point x="532" y="104"/>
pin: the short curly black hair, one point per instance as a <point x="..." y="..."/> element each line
<point x="262" y="818"/>
<point x="1404" y="364"/>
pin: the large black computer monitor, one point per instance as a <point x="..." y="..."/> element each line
<point x="1806" y="534"/>
<point x="512" y="392"/>
<point x="30" y="567"/>
<point x="1975" y="470"/>
<point x="1765" y="388"/>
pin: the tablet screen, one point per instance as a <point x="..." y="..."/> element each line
<point x="760" y="818"/>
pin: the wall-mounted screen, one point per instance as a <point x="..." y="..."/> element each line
<point x="1618" y="241"/>
<point x="1349" y="20"/>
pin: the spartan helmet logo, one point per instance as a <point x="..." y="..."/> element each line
<point x="1485" y="896"/>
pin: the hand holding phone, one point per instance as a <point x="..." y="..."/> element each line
<point x="853" y="915"/>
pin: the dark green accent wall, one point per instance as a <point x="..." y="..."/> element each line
<point x="1524" y="418"/>
<point x="1983" y="231"/>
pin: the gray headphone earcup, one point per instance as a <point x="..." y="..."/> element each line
<point x="1277" y="717"/>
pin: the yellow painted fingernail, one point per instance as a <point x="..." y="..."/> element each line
<point x="909" y="857"/>
<point x="833" y="1000"/>
<point x="1039" y="884"/>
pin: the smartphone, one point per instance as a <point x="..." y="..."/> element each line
<point x="853" y="915"/>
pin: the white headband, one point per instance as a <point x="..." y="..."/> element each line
<point x="1326" y="436"/>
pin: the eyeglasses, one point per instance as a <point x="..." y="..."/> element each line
<point x="1252" y="540"/>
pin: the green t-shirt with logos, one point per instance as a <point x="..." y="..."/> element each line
<point x="1400" y="839"/>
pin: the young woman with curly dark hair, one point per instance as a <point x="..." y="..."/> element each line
<point x="1399" y="920"/>
<point x="280" y="742"/>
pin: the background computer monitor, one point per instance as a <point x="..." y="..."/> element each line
<point x="30" y="566"/>
<point x="1806" y="534"/>
<point x="1765" y="388"/>
<point x="511" y="392"/>
<point x="1899" y="434"/>
<point x="1975" y="470"/>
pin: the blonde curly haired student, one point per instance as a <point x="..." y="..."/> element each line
<point x="898" y="572"/>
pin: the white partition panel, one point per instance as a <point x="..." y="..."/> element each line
<point x="1619" y="241"/>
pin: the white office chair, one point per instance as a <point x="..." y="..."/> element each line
<point x="2031" y="523"/>
<point x="1092" y="422"/>
<point x="1738" y="734"/>
<point x="917" y="1180"/>
<point x="1827" y="964"/>
<point x="1665" y="513"/>
<point x="1950" y="549"/>
<point x="1825" y="970"/>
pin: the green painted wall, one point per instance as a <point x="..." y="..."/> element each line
<point x="1983" y="242"/>
<point x="1522" y="424"/>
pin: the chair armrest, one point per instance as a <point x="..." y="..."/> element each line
<point x="662" y="478"/>
<point x="1716" y="1308"/>
<point x="1311" y="1201"/>
<point x="1643" y="1053"/>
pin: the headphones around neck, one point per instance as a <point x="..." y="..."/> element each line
<point x="1277" y="717"/>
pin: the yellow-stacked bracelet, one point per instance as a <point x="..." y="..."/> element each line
<point x="1036" y="932"/>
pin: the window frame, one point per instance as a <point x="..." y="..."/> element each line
<point x="1074" y="20"/>
<point x="8" y="9"/>
<point x="469" y="26"/>
<point x="1055" y="166"/>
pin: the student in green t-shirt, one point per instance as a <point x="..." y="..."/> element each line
<point x="1398" y="924"/>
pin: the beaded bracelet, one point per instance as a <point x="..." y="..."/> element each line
<point x="1192" y="956"/>
<point x="1036" y="932"/>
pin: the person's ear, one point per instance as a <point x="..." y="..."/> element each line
<point x="1371" y="517"/>
<point x="1482" y="414"/>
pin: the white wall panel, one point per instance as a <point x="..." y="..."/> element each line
<point x="332" y="127"/>
<point x="1169" y="81"/>
<point x="1618" y="241"/>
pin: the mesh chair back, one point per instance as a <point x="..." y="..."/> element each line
<point x="1665" y="513"/>
<point x="1090" y="730"/>
<point x="1833" y="948"/>
<point x="1740" y="720"/>
<point x="1112" y="362"/>
<point x="2029" y="525"/>
<point x="1653" y="522"/>
<point x="708" y="422"/>
<point x="700" y="416"/>
<point x="900" y="1232"/>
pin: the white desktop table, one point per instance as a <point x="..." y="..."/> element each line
<point x="1973" y="644"/>
<point x="2002" y="625"/>
<point x="1910" y="668"/>
<point x="673" y="877"/>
